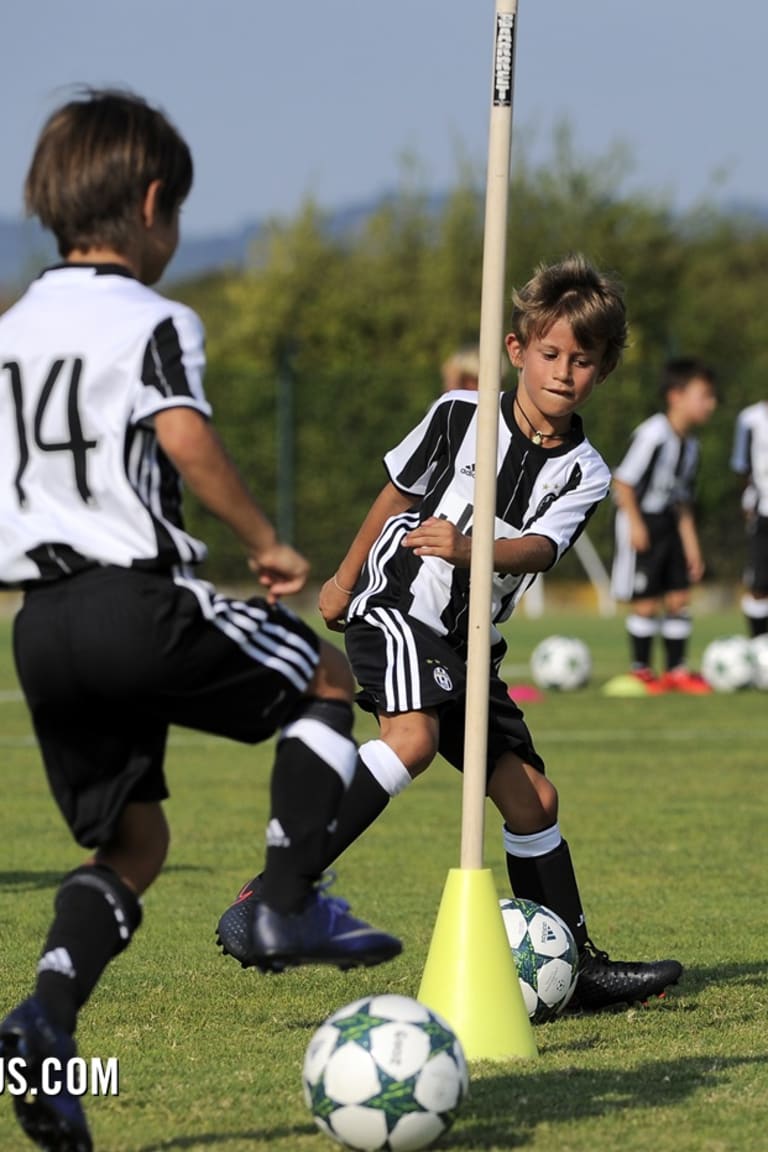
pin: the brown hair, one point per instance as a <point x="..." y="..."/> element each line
<point x="591" y="301"/>
<point x="678" y="373"/>
<point x="93" y="163"/>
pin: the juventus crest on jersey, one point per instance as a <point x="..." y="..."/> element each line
<point x="549" y="492"/>
<point x="88" y="356"/>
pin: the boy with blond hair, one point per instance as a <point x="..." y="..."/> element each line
<point x="401" y="592"/>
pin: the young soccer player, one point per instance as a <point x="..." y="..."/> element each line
<point x="461" y="369"/>
<point x="102" y="416"/>
<point x="749" y="459"/>
<point x="401" y="592"/>
<point x="657" y="556"/>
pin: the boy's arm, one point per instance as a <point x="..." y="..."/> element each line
<point x="626" y="500"/>
<point x="335" y="593"/>
<point x="438" y="537"/>
<point x="686" y="526"/>
<point x="194" y="448"/>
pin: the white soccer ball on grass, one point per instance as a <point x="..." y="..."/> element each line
<point x="758" y="652"/>
<point x="726" y="663"/>
<point x="561" y="663"/>
<point x="545" y="955"/>
<point x="384" y="1073"/>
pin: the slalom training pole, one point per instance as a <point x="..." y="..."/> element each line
<point x="470" y="975"/>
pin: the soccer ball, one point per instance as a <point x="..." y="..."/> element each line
<point x="384" y="1073"/>
<point x="758" y="651"/>
<point x="562" y="663"/>
<point x="727" y="663"/>
<point x="545" y="955"/>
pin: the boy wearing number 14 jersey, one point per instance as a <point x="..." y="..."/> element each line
<point x="102" y="417"/>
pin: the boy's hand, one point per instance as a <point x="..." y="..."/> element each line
<point x="332" y="603"/>
<point x="438" y="537"/>
<point x="696" y="567"/>
<point x="638" y="536"/>
<point x="281" y="569"/>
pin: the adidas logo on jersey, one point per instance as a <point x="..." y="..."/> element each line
<point x="468" y="470"/>
<point x="57" y="960"/>
<point x="276" y="837"/>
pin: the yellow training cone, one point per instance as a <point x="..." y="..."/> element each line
<point x="470" y="976"/>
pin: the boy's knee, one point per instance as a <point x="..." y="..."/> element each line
<point x="333" y="678"/>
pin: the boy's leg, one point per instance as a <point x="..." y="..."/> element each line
<point x="96" y="914"/>
<point x="676" y="629"/>
<point x="642" y="628"/>
<point x="283" y="919"/>
<point x="379" y="774"/>
<point x="540" y="868"/>
<point x="549" y="879"/>
<point x="755" y="609"/>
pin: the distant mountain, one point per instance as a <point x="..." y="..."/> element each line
<point x="25" y="248"/>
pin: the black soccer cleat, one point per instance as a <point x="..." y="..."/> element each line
<point x="324" y="932"/>
<point x="56" y="1123"/>
<point x="603" y="983"/>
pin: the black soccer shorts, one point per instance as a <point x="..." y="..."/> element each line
<point x="647" y="575"/>
<point x="404" y="666"/>
<point x="756" y="572"/>
<point x="110" y="658"/>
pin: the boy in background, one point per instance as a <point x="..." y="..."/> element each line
<point x="749" y="459"/>
<point x="102" y="416"/>
<point x="657" y="556"/>
<point x="461" y="369"/>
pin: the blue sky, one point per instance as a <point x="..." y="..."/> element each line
<point x="287" y="99"/>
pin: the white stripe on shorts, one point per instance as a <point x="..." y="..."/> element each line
<point x="402" y="686"/>
<point x="260" y="638"/>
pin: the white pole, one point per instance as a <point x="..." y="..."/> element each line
<point x="491" y="337"/>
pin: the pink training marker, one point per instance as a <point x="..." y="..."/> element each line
<point x="525" y="694"/>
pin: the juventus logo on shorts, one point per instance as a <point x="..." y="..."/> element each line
<point x="442" y="679"/>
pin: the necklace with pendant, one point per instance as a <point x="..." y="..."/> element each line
<point x="537" y="437"/>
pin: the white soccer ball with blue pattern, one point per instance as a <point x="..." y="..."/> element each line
<point x="561" y="663"/>
<point x="384" y="1073"/>
<point x="545" y="955"/>
<point x="758" y="653"/>
<point x="726" y="663"/>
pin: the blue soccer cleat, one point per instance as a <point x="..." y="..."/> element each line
<point x="56" y="1123"/>
<point x="324" y="932"/>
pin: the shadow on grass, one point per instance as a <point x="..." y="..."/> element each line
<point x="215" y="1139"/>
<point x="696" y="979"/>
<point x="32" y="881"/>
<point x="503" y="1111"/>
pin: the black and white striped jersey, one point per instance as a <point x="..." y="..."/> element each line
<point x="660" y="465"/>
<point x="540" y="491"/>
<point x="749" y="456"/>
<point x="88" y="356"/>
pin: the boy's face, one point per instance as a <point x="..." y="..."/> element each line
<point x="557" y="374"/>
<point x="693" y="404"/>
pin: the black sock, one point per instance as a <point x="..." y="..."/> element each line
<point x="305" y="794"/>
<point x="95" y="916"/>
<point x="551" y="881"/>
<point x="363" y="802"/>
<point x="757" y="625"/>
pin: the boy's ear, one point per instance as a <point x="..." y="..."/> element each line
<point x="514" y="350"/>
<point x="150" y="204"/>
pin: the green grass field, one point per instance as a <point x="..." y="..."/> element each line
<point x="665" y="805"/>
